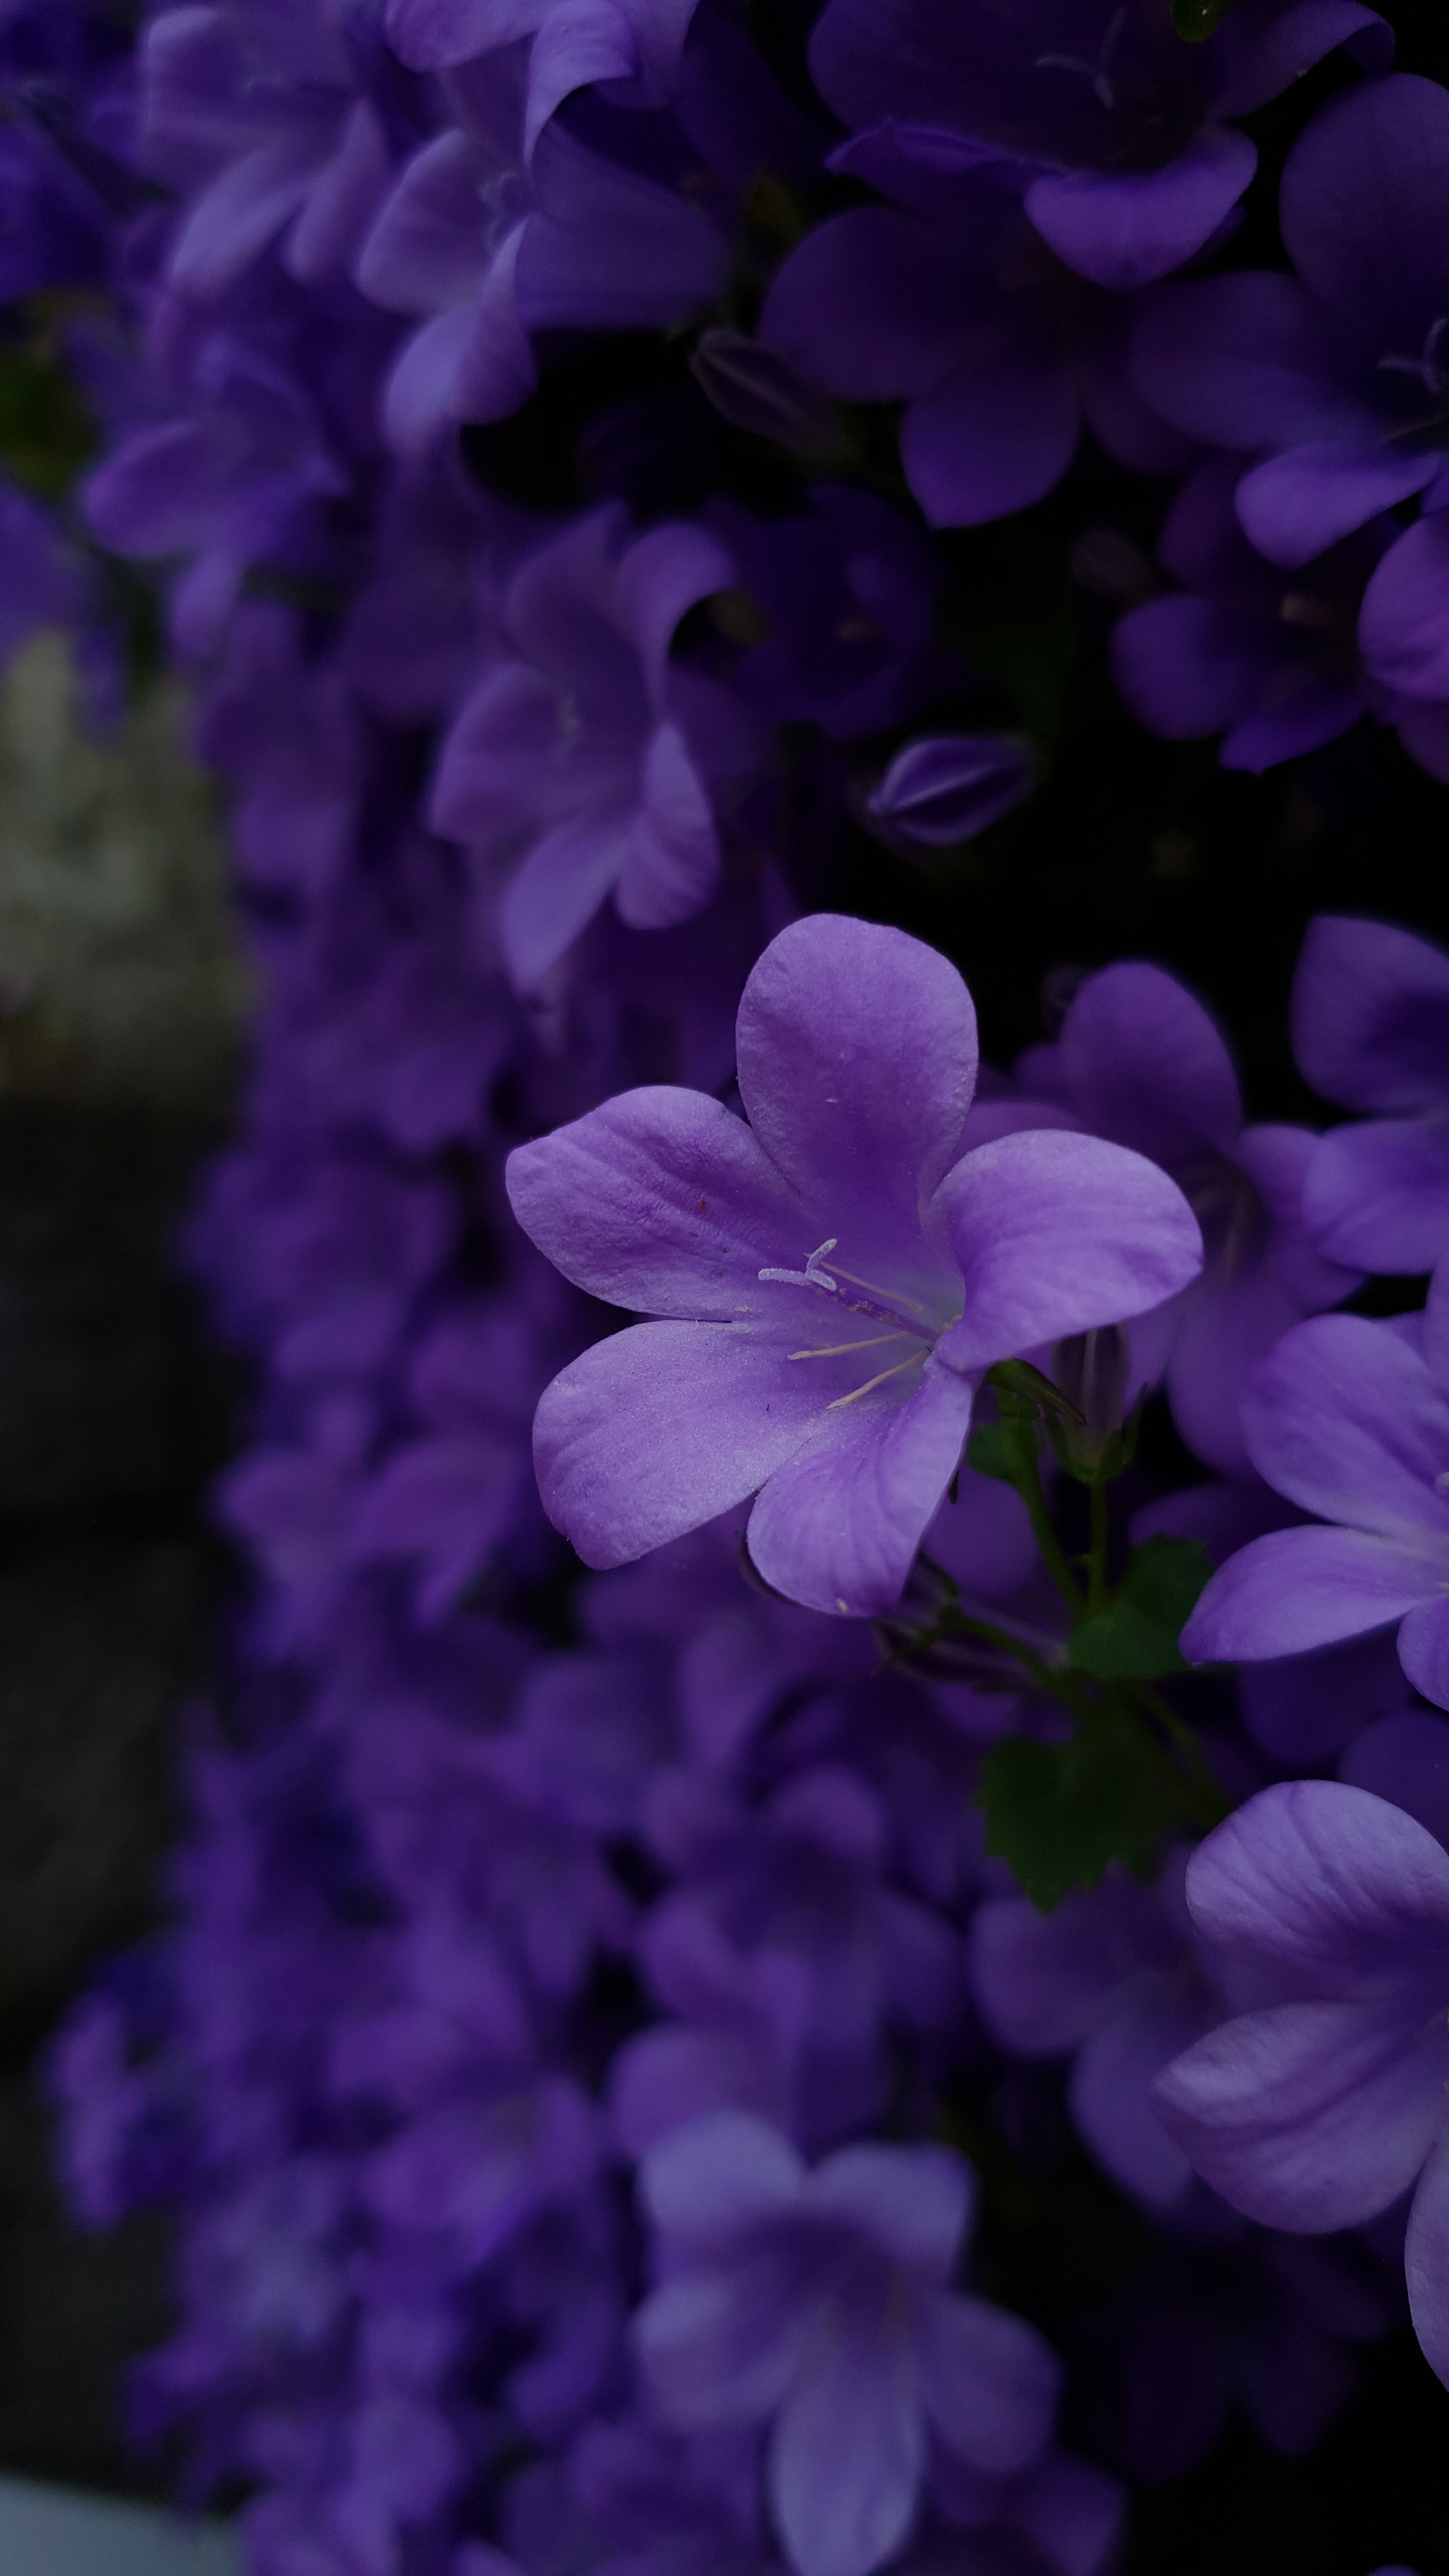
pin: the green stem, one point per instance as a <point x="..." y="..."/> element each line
<point x="1097" y="1561"/>
<point x="1053" y="1554"/>
<point x="1185" y="1742"/>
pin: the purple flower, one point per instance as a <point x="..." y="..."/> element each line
<point x="1335" y="372"/>
<point x="251" y="108"/>
<point x="817" y="2303"/>
<point x="631" y="48"/>
<point x="490" y="251"/>
<point x="577" y="760"/>
<point x="948" y="787"/>
<point x="1371" y="1031"/>
<point x="947" y="299"/>
<point x="1116" y="127"/>
<point x="1327" y="2104"/>
<point x="837" y="1275"/>
<point x="1141" y="1061"/>
<point x="1350" y="1420"/>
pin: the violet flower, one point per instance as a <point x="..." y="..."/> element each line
<point x="1141" y="1061"/>
<point x="580" y="760"/>
<point x="1117" y="128"/>
<point x="1371" y="1032"/>
<point x="817" y="2303"/>
<point x="947" y="788"/>
<point x="1327" y="2104"/>
<point x="1350" y="1420"/>
<point x="489" y="251"/>
<point x="838" y="1389"/>
<point x="947" y="299"/>
<point x="1335" y="372"/>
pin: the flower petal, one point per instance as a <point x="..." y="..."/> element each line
<point x="837" y="1527"/>
<point x="1124" y="230"/>
<point x="1301" y="1588"/>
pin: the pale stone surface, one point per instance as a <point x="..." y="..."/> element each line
<point x="44" y="2531"/>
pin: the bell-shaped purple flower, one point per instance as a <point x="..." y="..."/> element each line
<point x="818" y="2304"/>
<point x="1371" y="1032"/>
<point x="1117" y="127"/>
<point x="1330" y="2101"/>
<point x="835" y="1277"/>
<point x="579" y="763"/>
<point x="629" y="48"/>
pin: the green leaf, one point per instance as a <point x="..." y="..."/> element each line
<point x="1059" y="1813"/>
<point x="994" y="1449"/>
<point x="1196" y="20"/>
<point x="1135" y="1638"/>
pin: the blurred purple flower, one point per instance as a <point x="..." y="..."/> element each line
<point x="1371" y="1032"/>
<point x="948" y="787"/>
<point x="629" y="48"/>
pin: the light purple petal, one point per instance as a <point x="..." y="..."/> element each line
<point x="847" y="2450"/>
<point x="233" y="220"/>
<point x="494" y="758"/>
<point x="1296" y="506"/>
<point x="857" y="1059"/>
<point x="1378" y="1196"/>
<point x="659" y="1429"/>
<point x="1124" y="231"/>
<point x="867" y="307"/>
<point x="1043" y="1981"/>
<point x="1336" y="1892"/>
<point x="720" y="2348"/>
<point x="557" y="890"/>
<point x="496" y="366"/>
<point x="1111" y="2101"/>
<point x="1148" y="1066"/>
<point x="659" y="579"/>
<point x="428" y="247"/>
<point x="1055" y="1233"/>
<point x="837" y="1528"/>
<point x="1310" y="2116"/>
<point x="343" y="202"/>
<point x="990" y="2383"/>
<point x="436" y="35"/>
<point x="1301" y="1588"/>
<point x="660" y="1201"/>
<point x="1346" y="1421"/>
<point x="607" y="250"/>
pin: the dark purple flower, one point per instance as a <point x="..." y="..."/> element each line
<point x="850" y="596"/>
<point x="250" y="108"/>
<point x="945" y="789"/>
<point x="1117" y="128"/>
<point x="1350" y="1420"/>
<point x="842" y="1387"/>
<point x="1335" y="372"/>
<point x="1371" y="1032"/>
<point x="1141" y="1061"/>
<point x="1327" y="2104"/>
<point x="579" y="761"/>
<point x="817" y="2303"/>
<point x="490" y="251"/>
<point x="947" y="299"/>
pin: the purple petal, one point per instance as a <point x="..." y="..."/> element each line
<point x="847" y="2450"/>
<point x="868" y="307"/>
<point x="857" y="1062"/>
<point x="1346" y="1421"/>
<point x="1111" y="2101"/>
<point x="558" y="889"/>
<point x="673" y="861"/>
<point x="1340" y="1894"/>
<point x="662" y="1428"/>
<point x="1295" y="506"/>
<point x="1148" y="1066"/>
<point x="1424" y="1650"/>
<point x="1125" y="231"/>
<point x="660" y="1201"/>
<point x="721" y="2174"/>
<point x="1404" y="623"/>
<point x="487" y="782"/>
<point x="1364" y="205"/>
<point x="997" y="435"/>
<point x="990" y="2383"/>
<point x="1043" y="1981"/>
<point x="233" y="220"/>
<point x="608" y="250"/>
<point x="1311" y="712"/>
<point x="659" y="579"/>
<point x="1371" y="1016"/>
<point x="948" y="787"/>
<point x="1378" y="1195"/>
<point x="1263" y="46"/>
<point x="837" y="1528"/>
<point x="436" y="35"/>
<point x="1188" y="667"/>
<point x="1054" y="1234"/>
<point x="917" y="2202"/>
<point x="720" y="2348"/>
<point x="1245" y="361"/>
<point x="1310" y="2116"/>
<point x="1301" y="1588"/>
<point x="343" y="202"/>
<point x="1426" y="2267"/>
<point x="1404" y="1758"/>
<point x="428" y="248"/>
<point x="496" y="366"/>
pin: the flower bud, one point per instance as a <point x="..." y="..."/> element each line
<point x="753" y="388"/>
<point x="948" y="787"/>
<point x="1093" y="1371"/>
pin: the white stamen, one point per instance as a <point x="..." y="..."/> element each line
<point x="809" y="1277"/>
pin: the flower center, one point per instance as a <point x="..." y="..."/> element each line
<point x="904" y="1320"/>
<point x="1428" y="367"/>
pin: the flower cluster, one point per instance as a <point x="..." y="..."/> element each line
<point x="705" y="1776"/>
